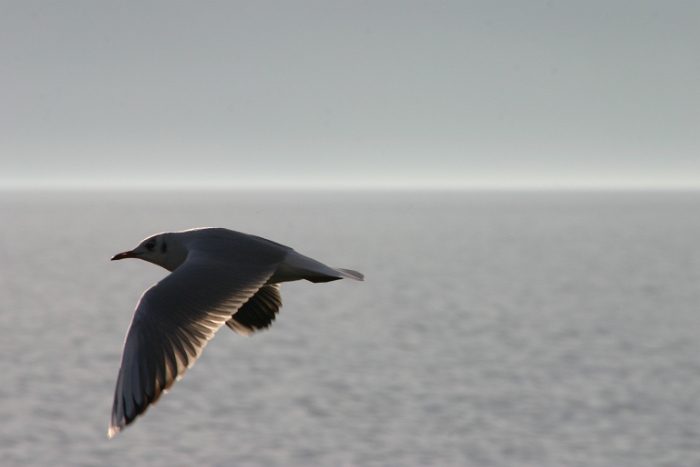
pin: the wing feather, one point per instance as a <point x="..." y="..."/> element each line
<point x="174" y="320"/>
<point x="258" y="312"/>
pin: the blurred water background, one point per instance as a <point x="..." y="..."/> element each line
<point x="493" y="329"/>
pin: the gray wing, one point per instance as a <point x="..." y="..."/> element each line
<point x="173" y="322"/>
<point x="259" y="312"/>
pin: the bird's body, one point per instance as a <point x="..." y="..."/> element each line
<point x="218" y="277"/>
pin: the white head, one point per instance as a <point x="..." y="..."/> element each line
<point x="162" y="249"/>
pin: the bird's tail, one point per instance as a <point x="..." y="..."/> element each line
<point x="298" y="266"/>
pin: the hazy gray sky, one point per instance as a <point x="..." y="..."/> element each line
<point x="356" y="93"/>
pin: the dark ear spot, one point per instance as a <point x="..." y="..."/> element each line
<point x="164" y="247"/>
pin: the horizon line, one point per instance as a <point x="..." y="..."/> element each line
<point x="434" y="186"/>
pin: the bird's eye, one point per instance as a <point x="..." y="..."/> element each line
<point x="150" y="245"/>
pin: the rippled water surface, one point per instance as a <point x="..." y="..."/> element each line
<point x="492" y="329"/>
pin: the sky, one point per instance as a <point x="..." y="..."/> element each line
<point x="350" y="94"/>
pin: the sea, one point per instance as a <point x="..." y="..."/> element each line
<point x="492" y="329"/>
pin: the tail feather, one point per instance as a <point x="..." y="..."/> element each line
<point x="297" y="266"/>
<point x="350" y="274"/>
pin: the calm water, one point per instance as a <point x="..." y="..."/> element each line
<point x="492" y="330"/>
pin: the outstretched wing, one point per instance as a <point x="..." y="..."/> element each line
<point x="174" y="320"/>
<point x="258" y="312"/>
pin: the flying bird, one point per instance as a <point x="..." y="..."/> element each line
<point x="218" y="277"/>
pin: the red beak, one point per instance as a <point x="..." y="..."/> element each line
<point x="126" y="254"/>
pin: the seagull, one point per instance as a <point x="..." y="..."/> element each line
<point x="218" y="276"/>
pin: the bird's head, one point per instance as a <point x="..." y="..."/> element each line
<point x="162" y="249"/>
